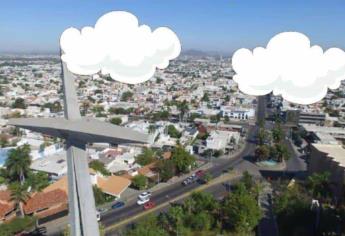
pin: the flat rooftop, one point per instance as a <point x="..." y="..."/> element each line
<point x="336" y="152"/>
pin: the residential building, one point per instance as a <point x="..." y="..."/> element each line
<point x="329" y="158"/>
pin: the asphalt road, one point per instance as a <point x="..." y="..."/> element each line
<point x="177" y="189"/>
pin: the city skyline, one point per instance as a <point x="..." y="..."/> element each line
<point x="222" y="27"/>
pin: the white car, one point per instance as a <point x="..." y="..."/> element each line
<point x="144" y="195"/>
<point x="98" y="215"/>
<point x="143" y="201"/>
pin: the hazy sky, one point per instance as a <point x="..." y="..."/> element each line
<point x="217" y="25"/>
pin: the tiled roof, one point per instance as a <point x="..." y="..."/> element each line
<point x="5" y="195"/>
<point x="44" y="200"/>
<point x="113" y="185"/>
<point x="62" y="184"/>
<point x="62" y="207"/>
<point x="148" y="170"/>
<point x="5" y="208"/>
<point x="5" y="203"/>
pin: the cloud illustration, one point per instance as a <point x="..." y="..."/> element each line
<point x="120" y="47"/>
<point x="289" y="66"/>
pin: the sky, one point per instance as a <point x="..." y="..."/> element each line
<point x="208" y="25"/>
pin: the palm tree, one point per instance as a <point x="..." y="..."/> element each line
<point x="152" y="128"/>
<point x="19" y="195"/>
<point x="183" y="108"/>
<point x="18" y="163"/>
<point x="282" y="152"/>
<point x="262" y="153"/>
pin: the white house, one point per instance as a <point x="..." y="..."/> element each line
<point x="219" y="140"/>
<point x="237" y="113"/>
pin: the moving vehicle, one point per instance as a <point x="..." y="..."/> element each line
<point x="143" y="201"/>
<point x="117" y="205"/>
<point x="144" y="195"/>
<point x="149" y="205"/>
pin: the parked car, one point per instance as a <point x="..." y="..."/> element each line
<point x="190" y="180"/>
<point x="199" y="173"/>
<point x="145" y="195"/>
<point x="98" y="215"/>
<point x="143" y="201"/>
<point x="117" y="205"/>
<point x="149" y="205"/>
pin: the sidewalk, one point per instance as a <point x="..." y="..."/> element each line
<point x="268" y="224"/>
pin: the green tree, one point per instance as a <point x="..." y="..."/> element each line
<point x="139" y="182"/>
<point x="116" y="121"/>
<point x="146" y="157"/>
<point x="99" y="166"/>
<point x="201" y="221"/>
<point x="173" y="132"/>
<point x="173" y="220"/>
<point x="277" y="133"/>
<point x="167" y="169"/>
<point x="242" y="210"/>
<point x="19" y="195"/>
<point x="183" y="108"/>
<point x="126" y="96"/>
<point x="203" y="202"/>
<point x="263" y="136"/>
<point x="281" y="152"/>
<point x="17" y="225"/>
<point x="147" y="227"/>
<point x="205" y="98"/>
<point x="262" y="152"/>
<point x="37" y="181"/>
<point x="319" y="185"/>
<point x="247" y="180"/>
<point x="98" y="109"/>
<point x="53" y="107"/>
<point x="207" y="177"/>
<point x="18" y="163"/>
<point x="152" y="128"/>
<point x="292" y="209"/>
<point x="100" y="197"/>
<point x="19" y="103"/>
<point x="182" y="159"/>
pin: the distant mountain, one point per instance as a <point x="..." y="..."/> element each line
<point x="194" y="52"/>
<point x="200" y="53"/>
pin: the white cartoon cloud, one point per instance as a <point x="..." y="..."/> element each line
<point x="291" y="67"/>
<point x="120" y="47"/>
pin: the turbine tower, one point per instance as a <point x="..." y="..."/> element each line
<point x="77" y="132"/>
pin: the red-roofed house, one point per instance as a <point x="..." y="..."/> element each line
<point x="43" y="204"/>
<point x="7" y="207"/>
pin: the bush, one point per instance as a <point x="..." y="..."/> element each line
<point x="147" y="157"/>
<point x="139" y="182"/>
<point x="17" y="225"/>
<point x="116" y="121"/>
<point x="99" y="167"/>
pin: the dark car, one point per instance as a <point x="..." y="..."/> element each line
<point x="117" y="205"/>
